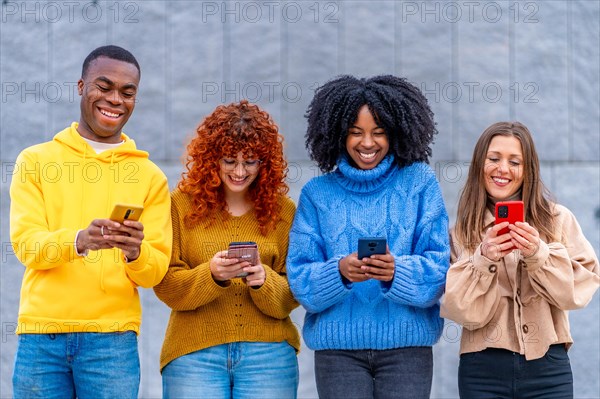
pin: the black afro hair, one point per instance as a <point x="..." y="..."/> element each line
<point x="397" y="106"/>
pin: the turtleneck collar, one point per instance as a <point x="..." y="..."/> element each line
<point x="364" y="181"/>
<point x="491" y="202"/>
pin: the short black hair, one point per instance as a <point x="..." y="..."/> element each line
<point x="112" y="52"/>
<point x="396" y="105"/>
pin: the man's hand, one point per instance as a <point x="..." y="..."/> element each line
<point x="92" y="238"/>
<point x="106" y="234"/>
<point x="127" y="237"/>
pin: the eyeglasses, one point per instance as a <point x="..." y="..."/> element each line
<point x="250" y="165"/>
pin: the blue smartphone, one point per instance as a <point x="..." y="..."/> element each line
<point x="368" y="246"/>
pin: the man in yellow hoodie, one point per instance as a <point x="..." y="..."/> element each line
<point x="80" y="312"/>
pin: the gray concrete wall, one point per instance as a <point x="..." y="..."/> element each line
<point x="477" y="61"/>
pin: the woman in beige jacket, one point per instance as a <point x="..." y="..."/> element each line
<point x="513" y="303"/>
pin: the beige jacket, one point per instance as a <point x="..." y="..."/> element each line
<point x="521" y="304"/>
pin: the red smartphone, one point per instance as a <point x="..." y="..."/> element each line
<point x="509" y="211"/>
<point x="244" y="251"/>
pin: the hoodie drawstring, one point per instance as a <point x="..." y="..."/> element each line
<point x="108" y="205"/>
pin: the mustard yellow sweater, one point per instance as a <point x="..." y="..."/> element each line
<point x="206" y="314"/>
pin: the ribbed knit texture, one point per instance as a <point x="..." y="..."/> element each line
<point x="205" y="313"/>
<point x="404" y="205"/>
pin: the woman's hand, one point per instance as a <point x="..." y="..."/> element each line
<point x="494" y="246"/>
<point x="379" y="267"/>
<point x="525" y="237"/>
<point x="223" y="268"/>
<point x="256" y="275"/>
<point x="351" y="268"/>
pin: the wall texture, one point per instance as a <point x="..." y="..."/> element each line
<point x="478" y="62"/>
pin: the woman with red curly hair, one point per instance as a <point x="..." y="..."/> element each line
<point x="230" y="336"/>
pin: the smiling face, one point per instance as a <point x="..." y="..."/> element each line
<point x="366" y="143"/>
<point x="107" y="92"/>
<point x="503" y="168"/>
<point x="237" y="174"/>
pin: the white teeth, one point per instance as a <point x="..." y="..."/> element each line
<point x="110" y="114"/>
<point x="367" y="156"/>
<point x="500" y="180"/>
<point x="238" y="179"/>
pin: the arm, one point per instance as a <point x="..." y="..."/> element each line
<point x="183" y="287"/>
<point x="274" y="298"/>
<point x="33" y="243"/>
<point x="472" y="293"/>
<point x="565" y="273"/>
<point x="314" y="280"/>
<point x="419" y="278"/>
<point x="149" y="268"/>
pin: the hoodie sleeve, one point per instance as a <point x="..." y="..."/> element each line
<point x="152" y="264"/>
<point x="33" y="243"/>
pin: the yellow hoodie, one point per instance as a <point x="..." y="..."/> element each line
<point x="58" y="188"/>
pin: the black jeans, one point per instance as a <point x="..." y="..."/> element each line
<point x="393" y="373"/>
<point x="499" y="373"/>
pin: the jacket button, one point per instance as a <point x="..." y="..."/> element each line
<point x="525" y="329"/>
<point x="518" y="291"/>
<point x="492" y="268"/>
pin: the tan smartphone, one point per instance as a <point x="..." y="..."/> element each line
<point x="122" y="212"/>
<point x="244" y="250"/>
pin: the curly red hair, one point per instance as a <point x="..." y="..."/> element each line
<point x="230" y="129"/>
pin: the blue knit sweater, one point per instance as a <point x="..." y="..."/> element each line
<point x="404" y="205"/>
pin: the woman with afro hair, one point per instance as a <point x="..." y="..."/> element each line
<point x="230" y="334"/>
<point x="371" y="321"/>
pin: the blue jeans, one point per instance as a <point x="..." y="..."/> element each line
<point x="392" y="373"/>
<point x="235" y="370"/>
<point x="499" y="373"/>
<point x="86" y="365"/>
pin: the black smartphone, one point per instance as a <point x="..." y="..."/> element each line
<point x="244" y="251"/>
<point x="368" y="246"/>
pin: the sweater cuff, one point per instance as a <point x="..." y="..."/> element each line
<point x="484" y="264"/>
<point x="141" y="261"/>
<point x="329" y="281"/>
<point x="268" y="292"/>
<point x="84" y="253"/>
<point x="403" y="285"/>
<point x="269" y="284"/>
